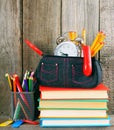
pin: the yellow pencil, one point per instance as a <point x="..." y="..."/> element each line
<point x="95" y="40"/>
<point x="97" y="45"/>
<point x="96" y="51"/>
<point x="99" y="48"/>
<point x="84" y="35"/>
<point x="9" y="81"/>
<point x="100" y="38"/>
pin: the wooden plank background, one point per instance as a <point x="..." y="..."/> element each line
<point x="41" y="21"/>
<point x="10" y="48"/>
<point x="107" y="53"/>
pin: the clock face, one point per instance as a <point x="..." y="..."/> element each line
<point x="66" y="49"/>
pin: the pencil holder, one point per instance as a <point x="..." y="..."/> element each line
<point x="22" y="105"/>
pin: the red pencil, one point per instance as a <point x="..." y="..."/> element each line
<point x="19" y="87"/>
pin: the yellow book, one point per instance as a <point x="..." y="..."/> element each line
<point x="72" y="104"/>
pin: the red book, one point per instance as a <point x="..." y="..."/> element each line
<point x="98" y="92"/>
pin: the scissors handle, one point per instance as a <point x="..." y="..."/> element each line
<point x="87" y="66"/>
<point x="33" y="47"/>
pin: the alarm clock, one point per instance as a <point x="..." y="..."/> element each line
<point x="67" y="48"/>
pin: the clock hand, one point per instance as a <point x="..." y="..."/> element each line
<point x="64" y="54"/>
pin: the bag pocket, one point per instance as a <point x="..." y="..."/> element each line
<point x="78" y="78"/>
<point x="49" y="72"/>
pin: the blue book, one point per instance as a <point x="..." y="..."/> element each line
<point x="75" y="122"/>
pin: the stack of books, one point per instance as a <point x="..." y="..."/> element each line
<point x="73" y="107"/>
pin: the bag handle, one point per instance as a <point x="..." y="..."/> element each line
<point x="33" y="47"/>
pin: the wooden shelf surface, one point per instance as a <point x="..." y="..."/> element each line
<point x="37" y="127"/>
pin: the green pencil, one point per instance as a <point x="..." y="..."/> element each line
<point x="30" y="84"/>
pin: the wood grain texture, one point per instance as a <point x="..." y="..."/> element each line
<point x="107" y="53"/>
<point x="10" y="48"/>
<point x="41" y="25"/>
<point x="41" y="21"/>
<point x="79" y="14"/>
